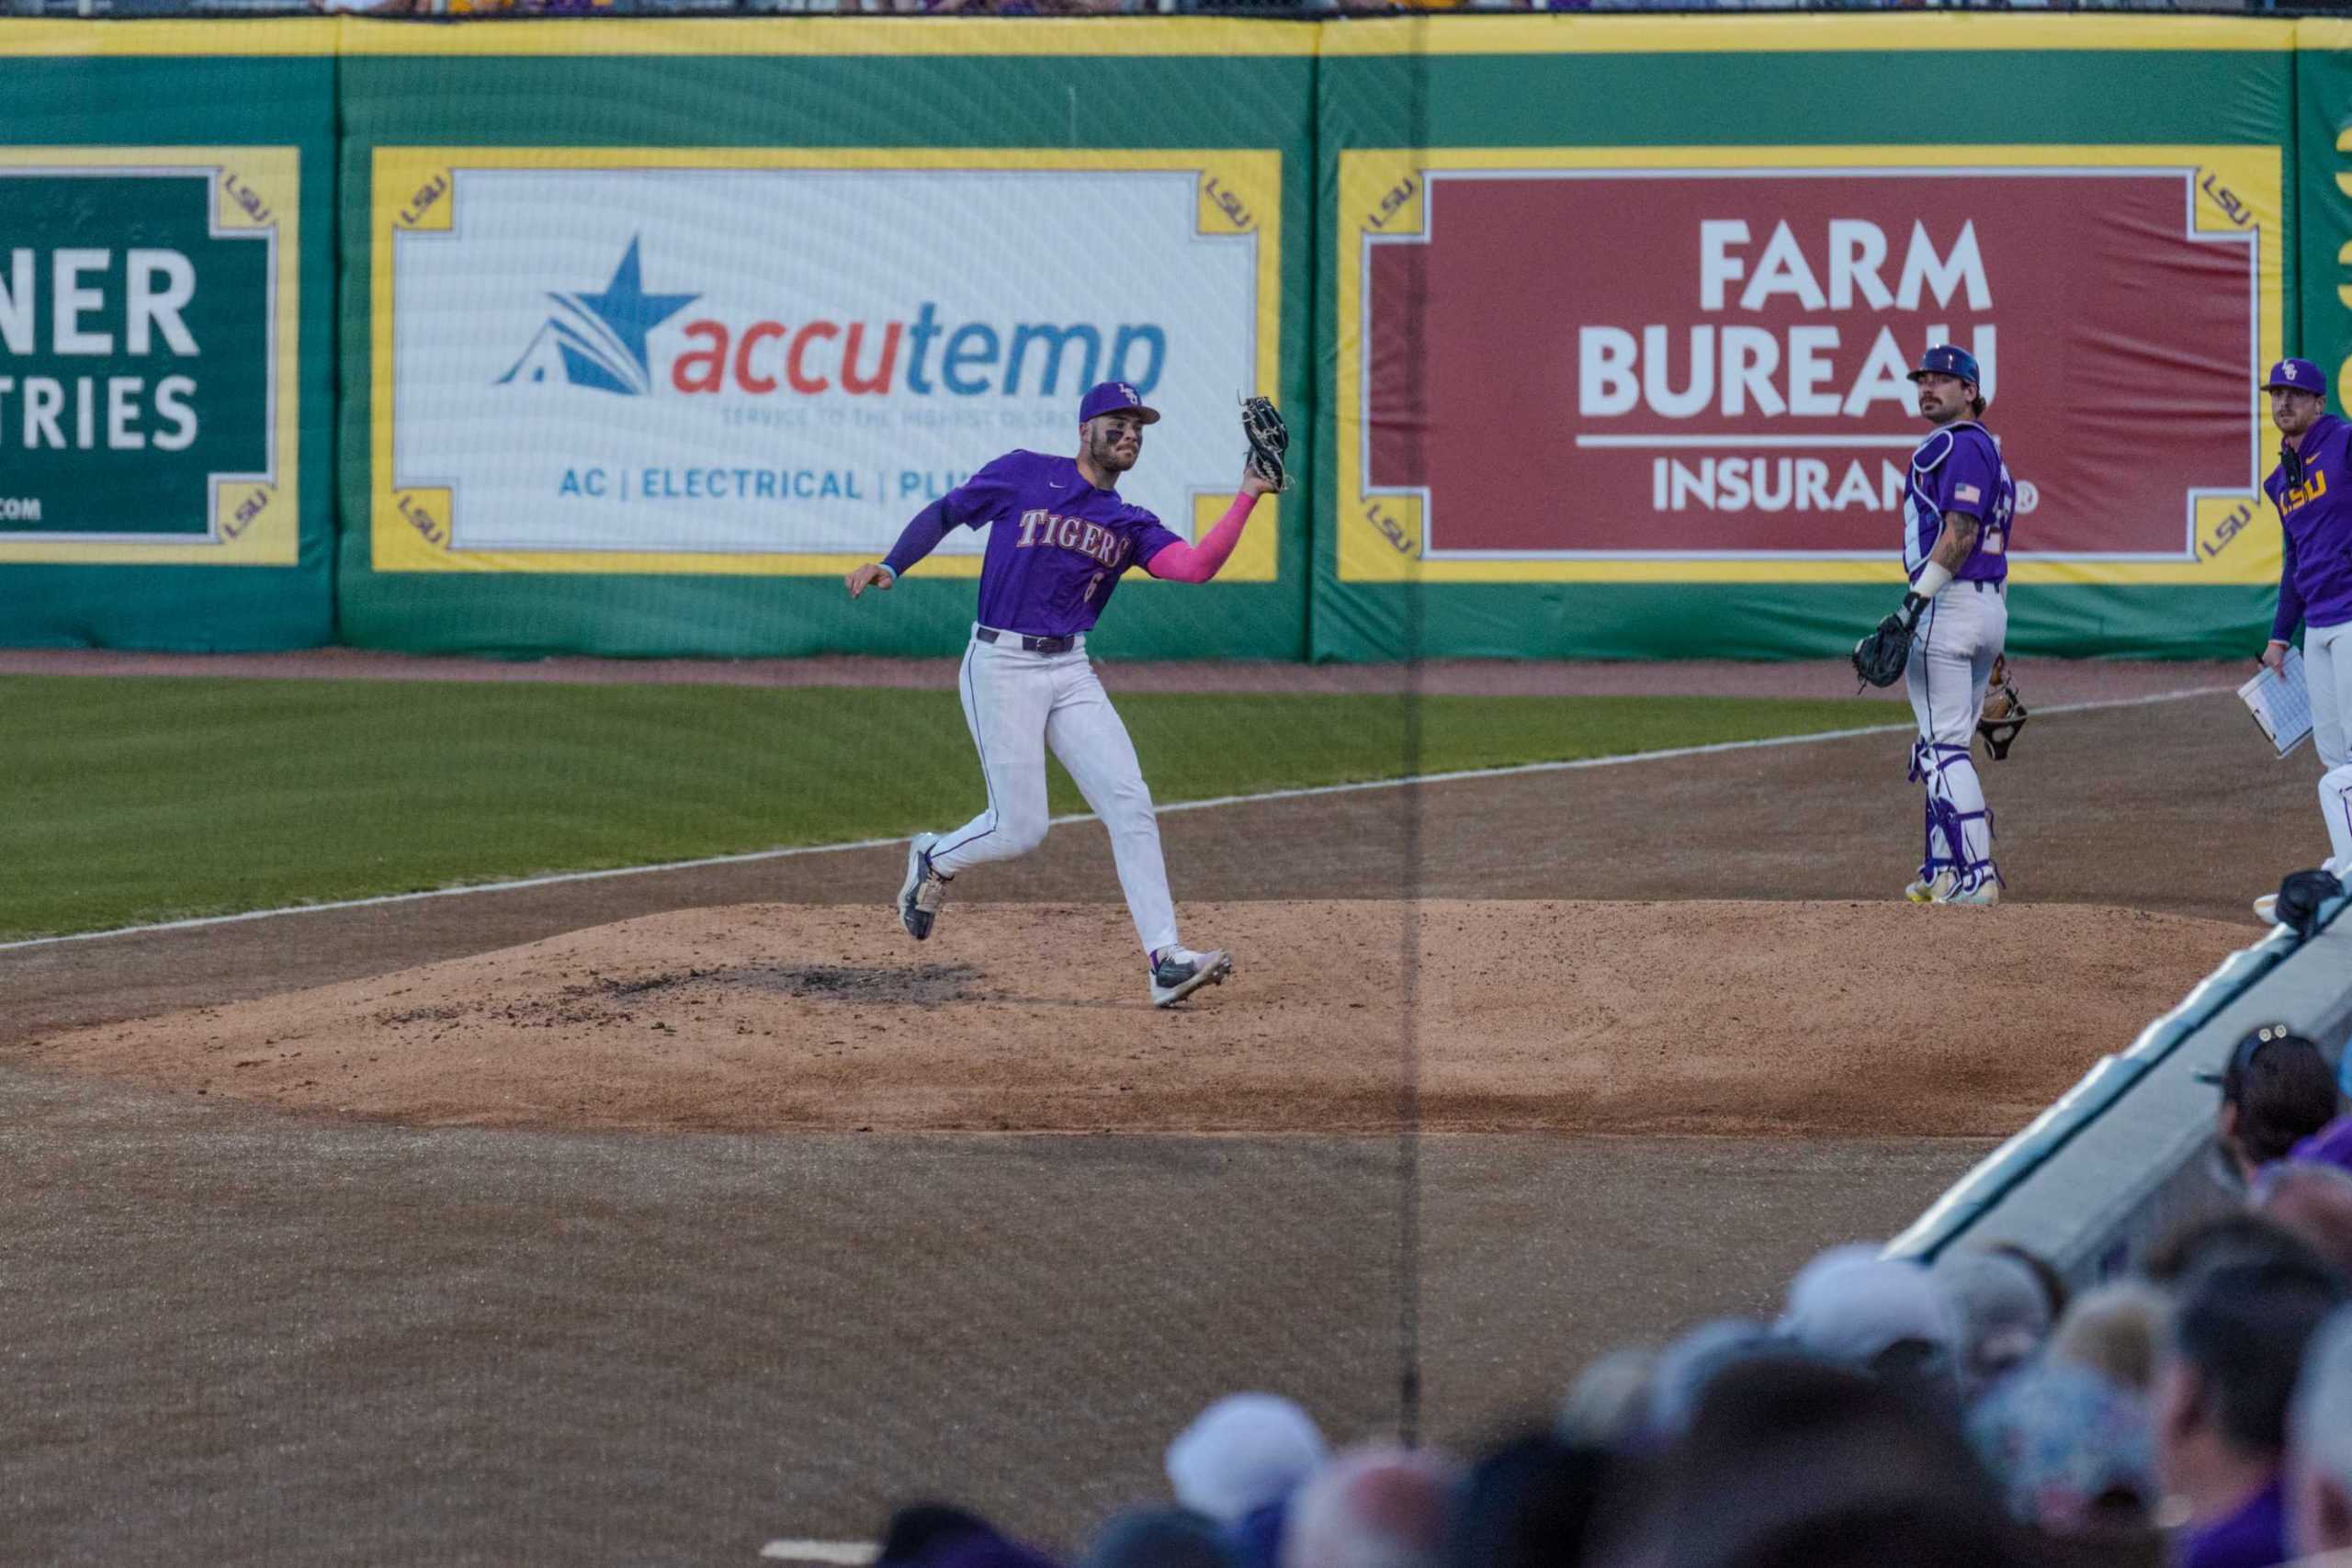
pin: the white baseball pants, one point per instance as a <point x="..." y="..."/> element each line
<point x="2327" y="670"/>
<point x="1959" y="635"/>
<point x="1018" y="704"/>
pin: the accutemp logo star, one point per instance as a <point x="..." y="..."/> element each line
<point x="599" y="340"/>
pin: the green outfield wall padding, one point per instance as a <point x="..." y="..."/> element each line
<point x="639" y="333"/>
<point x="165" y="364"/>
<point x="2323" y="215"/>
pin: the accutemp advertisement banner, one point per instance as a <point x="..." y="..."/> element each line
<point x="148" y="356"/>
<point x="766" y="361"/>
<point x="1689" y="365"/>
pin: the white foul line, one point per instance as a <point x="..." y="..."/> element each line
<point x="1301" y="793"/>
<point x="847" y="1553"/>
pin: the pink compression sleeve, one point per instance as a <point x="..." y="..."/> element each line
<point x="1181" y="562"/>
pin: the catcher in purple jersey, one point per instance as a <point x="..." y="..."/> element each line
<point x="1059" y="537"/>
<point x="1956" y="508"/>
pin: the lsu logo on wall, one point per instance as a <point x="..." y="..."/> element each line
<point x="147" y="322"/>
<point x="736" y="361"/>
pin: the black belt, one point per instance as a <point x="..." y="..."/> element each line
<point x="1981" y="583"/>
<point x="1028" y="644"/>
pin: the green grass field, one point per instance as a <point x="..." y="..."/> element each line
<point x="148" y="799"/>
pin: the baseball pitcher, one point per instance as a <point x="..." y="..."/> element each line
<point x="2312" y="488"/>
<point x="1059" y="539"/>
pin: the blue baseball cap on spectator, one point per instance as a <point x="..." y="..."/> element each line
<point x="1109" y="397"/>
<point x="2299" y="373"/>
<point x="1947" y="360"/>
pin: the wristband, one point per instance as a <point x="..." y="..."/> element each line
<point x="1931" y="579"/>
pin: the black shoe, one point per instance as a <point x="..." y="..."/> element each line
<point x="924" y="889"/>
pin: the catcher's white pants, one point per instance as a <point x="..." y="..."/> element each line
<point x="1018" y="704"/>
<point x="1959" y="635"/>
<point x="2327" y="670"/>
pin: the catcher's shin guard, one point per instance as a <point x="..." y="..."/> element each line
<point x="1959" y="822"/>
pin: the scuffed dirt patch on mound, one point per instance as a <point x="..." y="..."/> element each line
<point x="1846" y="1019"/>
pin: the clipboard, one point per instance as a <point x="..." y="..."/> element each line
<point x="2282" y="704"/>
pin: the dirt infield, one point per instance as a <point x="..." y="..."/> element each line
<point x="267" y="1329"/>
<point x="1730" y="1019"/>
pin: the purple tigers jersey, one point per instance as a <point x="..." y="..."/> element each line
<point x="1057" y="544"/>
<point x="1957" y="469"/>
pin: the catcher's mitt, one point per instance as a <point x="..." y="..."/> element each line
<point x="2301" y="893"/>
<point x="2005" y="713"/>
<point x="1269" y="439"/>
<point x="1879" y="658"/>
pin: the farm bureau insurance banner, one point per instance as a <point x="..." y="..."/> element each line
<point x="1688" y="364"/>
<point x="148" y="323"/>
<point x="765" y="362"/>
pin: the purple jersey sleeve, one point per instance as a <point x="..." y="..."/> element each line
<point x="1969" y="479"/>
<point x="980" y="500"/>
<point x="1150" y="536"/>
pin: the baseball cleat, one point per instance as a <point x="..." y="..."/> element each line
<point x="1931" y="889"/>
<point x="1180" y="972"/>
<point x="1984" y="894"/>
<point x="2265" y="908"/>
<point x="924" y="889"/>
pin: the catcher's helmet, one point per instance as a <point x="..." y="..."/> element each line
<point x="1948" y="360"/>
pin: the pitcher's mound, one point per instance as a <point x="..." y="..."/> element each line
<point x="1727" y="1017"/>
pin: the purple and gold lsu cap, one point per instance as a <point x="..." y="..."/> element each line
<point x="1946" y="360"/>
<point x="2299" y="373"/>
<point x="1109" y="397"/>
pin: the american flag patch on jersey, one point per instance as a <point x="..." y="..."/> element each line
<point x="1967" y="492"/>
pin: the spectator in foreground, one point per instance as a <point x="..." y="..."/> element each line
<point x="2229" y="1372"/>
<point x="1158" y="1538"/>
<point x="2319" y="1444"/>
<point x="1373" y="1508"/>
<point x="1530" y="1503"/>
<point x="2276" y="1090"/>
<point x="1789" y="1464"/>
<point x="1608" y="1405"/>
<point x="2313" y="1200"/>
<point x="2000" y="1314"/>
<point x="1679" y="1373"/>
<point x="2074" y="1454"/>
<point x="2119" y="1331"/>
<point x="2237" y="1236"/>
<point x="920" y="1529"/>
<point x="1242" y="1453"/>
<point x="1238" y="1462"/>
<point x="2054" y="1293"/>
<point x="987" y="1550"/>
<point x="1854" y="1308"/>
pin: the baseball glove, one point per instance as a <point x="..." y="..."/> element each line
<point x="2299" y="897"/>
<point x="1269" y="439"/>
<point x="1879" y="658"/>
<point x="2005" y="713"/>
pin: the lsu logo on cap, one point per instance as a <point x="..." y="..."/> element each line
<point x="2299" y="375"/>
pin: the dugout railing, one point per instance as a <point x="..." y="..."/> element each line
<point x="2127" y="1156"/>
